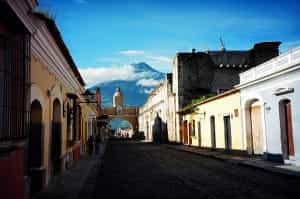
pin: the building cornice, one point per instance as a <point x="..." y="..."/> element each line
<point x="274" y="75"/>
<point x="43" y="45"/>
<point x="151" y="107"/>
<point x="271" y="68"/>
<point x="24" y="12"/>
<point x="45" y="49"/>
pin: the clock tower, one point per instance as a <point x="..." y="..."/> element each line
<point x="118" y="100"/>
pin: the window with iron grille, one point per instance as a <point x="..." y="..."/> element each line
<point x="77" y="129"/>
<point x="14" y="85"/>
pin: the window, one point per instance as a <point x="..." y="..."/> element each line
<point x="14" y="85"/>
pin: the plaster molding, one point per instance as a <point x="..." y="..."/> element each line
<point x="22" y="10"/>
<point x="37" y="94"/>
<point x="56" y="94"/>
<point x="42" y="48"/>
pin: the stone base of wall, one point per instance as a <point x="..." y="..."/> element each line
<point x="12" y="174"/>
<point x="273" y="157"/>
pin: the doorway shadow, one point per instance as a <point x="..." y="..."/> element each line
<point x="159" y="131"/>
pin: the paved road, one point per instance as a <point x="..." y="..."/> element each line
<point x="140" y="170"/>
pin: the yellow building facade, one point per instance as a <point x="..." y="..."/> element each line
<point x="60" y="113"/>
<point x="214" y="123"/>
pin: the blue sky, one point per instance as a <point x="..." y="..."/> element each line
<point x="105" y="35"/>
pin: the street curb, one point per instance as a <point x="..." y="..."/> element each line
<point x="201" y="154"/>
<point x="89" y="181"/>
<point x="278" y="171"/>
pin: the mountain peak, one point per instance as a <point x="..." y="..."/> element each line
<point x="142" y="67"/>
<point x="136" y="89"/>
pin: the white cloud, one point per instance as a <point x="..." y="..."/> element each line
<point x="148" y="82"/>
<point x="108" y="59"/>
<point x="103" y="74"/>
<point x="133" y="52"/>
<point x="148" y="91"/>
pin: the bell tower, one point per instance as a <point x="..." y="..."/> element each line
<point x="118" y="100"/>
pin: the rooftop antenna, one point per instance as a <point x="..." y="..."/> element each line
<point x="222" y="44"/>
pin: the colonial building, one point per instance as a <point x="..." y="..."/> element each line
<point x="214" y="123"/>
<point x="157" y="116"/>
<point x="16" y="30"/>
<point x="198" y="74"/>
<point x="60" y="111"/>
<point x="270" y="108"/>
<point x="44" y="116"/>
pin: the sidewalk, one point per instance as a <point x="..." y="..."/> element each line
<point x="244" y="160"/>
<point x="73" y="182"/>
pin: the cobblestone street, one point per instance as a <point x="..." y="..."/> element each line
<point x="141" y="170"/>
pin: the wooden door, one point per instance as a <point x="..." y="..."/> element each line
<point x="227" y="129"/>
<point x="185" y="132"/>
<point x="190" y="133"/>
<point x="291" y="150"/>
<point x="257" y="130"/>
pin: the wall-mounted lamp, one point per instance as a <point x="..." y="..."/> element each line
<point x="267" y="107"/>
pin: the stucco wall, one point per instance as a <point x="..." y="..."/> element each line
<point x="265" y="92"/>
<point x="46" y="88"/>
<point x="161" y="102"/>
<point x="42" y="81"/>
<point x="225" y="106"/>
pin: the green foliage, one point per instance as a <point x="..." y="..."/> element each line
<point x="198" y="100"/>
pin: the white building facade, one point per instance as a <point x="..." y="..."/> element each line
<point x="270" y="95"/>
<point x="161" y="102"/>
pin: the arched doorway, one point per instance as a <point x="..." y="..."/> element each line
<point x="56" y="138"/>
<point x="254" y="127"/>
<point x="286" y="126"/>
<point x="121" y="128"/>
<point x="35" y="149"/>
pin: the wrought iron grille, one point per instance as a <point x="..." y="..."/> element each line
<point x="78" y="123"/>
<point x="14" y="86"/>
